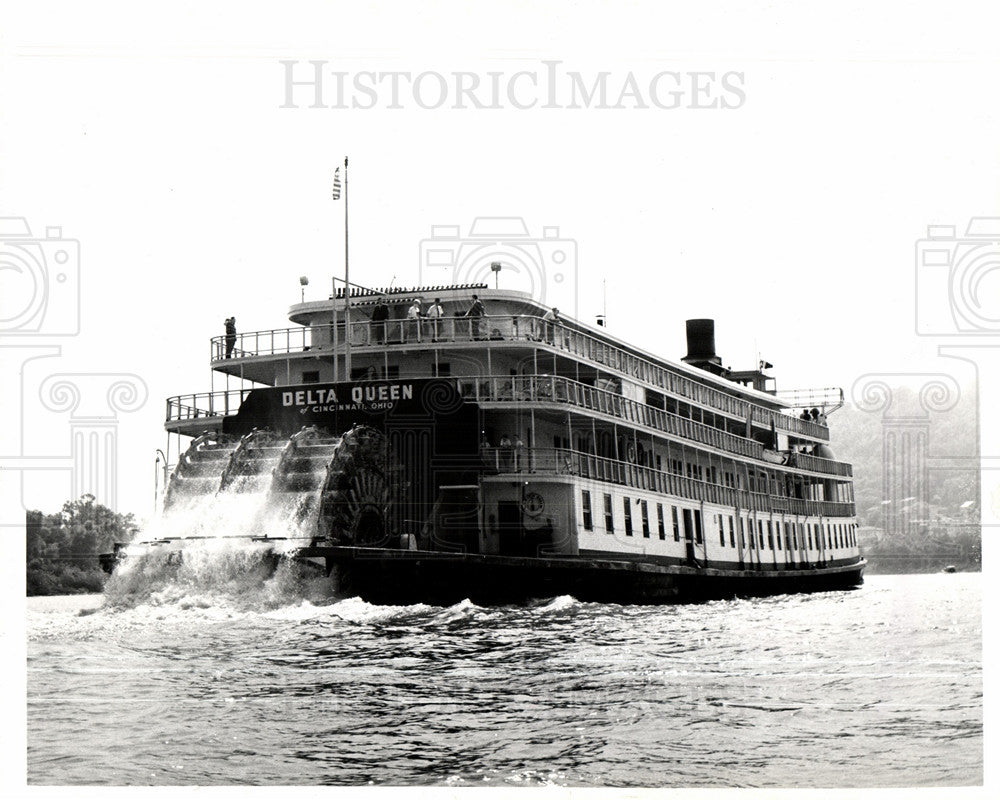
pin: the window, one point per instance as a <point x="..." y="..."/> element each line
<point x="732" y="534"/>
<point x="699" y="530"/>
<point x="627" y="505"/>
<point x="760" y="533"/>
<point x="588" y="517"/>
<point x="770" y="536"/>
<point x="659" y="521"/>
<point x="310" y="377"/>
<point x="809" y="533"/>
<point x="609" y="516"/>
<point x="645" y="518"/>
<point x="677" y="526"/>
<point x="743" y="538"/>
<point x="722" y="532"/>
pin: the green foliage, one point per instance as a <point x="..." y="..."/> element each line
<point x="62" y="548"/>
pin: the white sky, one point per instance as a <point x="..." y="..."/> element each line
<point x="156" y="140"/>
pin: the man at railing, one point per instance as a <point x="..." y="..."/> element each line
<point x="380" y="313"/>
<point x="475" y="313"/>
<point x="413" y="320"/>
<point x="434" y="314"/>
<point x="551" y="321"/>
<point x="230" y="336"/>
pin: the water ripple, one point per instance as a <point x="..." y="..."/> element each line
<point x="879" y="687"/>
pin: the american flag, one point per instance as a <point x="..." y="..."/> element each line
<point x="336" y="184"/>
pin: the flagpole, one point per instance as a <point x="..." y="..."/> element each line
<point x="347" y="289"/>
<point x="333" y="296"/>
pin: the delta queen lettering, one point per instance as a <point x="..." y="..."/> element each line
<point x="357" y="398"/>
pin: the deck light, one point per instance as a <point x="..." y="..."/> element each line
<point x="303" y="282"/>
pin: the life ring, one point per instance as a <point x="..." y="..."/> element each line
<point x="630" y="453"/>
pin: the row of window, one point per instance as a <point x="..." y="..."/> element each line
<point x="788" y="536"/>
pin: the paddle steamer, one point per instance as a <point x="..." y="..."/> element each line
<point x="510" y="456"/>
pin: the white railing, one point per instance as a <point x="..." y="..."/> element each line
<point x="559" y="461"/>
<point x="553" y="389"/>
<point x="409" y="333"/>
<point x="205" y="404"/>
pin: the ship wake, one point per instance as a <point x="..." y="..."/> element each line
<point x="236" y="512"/>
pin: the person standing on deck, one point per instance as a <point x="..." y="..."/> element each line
<point x="230" y="336"/>
<point x="413" y="320"/>
<point x="476" y="312"/>
<point x="435" y="313"/>
<point x="379" y="315"/>
<point x="551" y="319"/>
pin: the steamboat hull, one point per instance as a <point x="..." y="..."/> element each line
<point x="407" y="577"/>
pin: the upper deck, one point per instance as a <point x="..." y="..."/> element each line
<point x="513" y="325"/>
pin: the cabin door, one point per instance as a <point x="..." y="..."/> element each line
<point x="689" y="535"/>
<point x="509" y="527"/>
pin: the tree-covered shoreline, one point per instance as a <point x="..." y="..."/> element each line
<point x="62" y="549"/>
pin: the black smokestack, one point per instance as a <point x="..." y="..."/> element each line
<point x="701" y="345"/>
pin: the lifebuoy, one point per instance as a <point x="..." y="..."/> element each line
<point x="630" y="453"/>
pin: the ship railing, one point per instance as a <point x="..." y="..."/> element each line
<point x="204" y="404"/>
<point x="551" y="388"/>
<point x="279" y="341"/>
<point x="817" y="464"/>
<point x="522" y="461"/>
<point x="828" y="399"/>
<point x="526" y="328"/>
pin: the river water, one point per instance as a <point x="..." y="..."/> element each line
<point x="236" y="679"/>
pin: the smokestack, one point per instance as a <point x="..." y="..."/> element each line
<point x="701" y="346"/>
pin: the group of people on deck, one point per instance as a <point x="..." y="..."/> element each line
<point x="414" y="328"/>
<point x="509" y="454"/>
<point x="419" y="322"/>
<point x="813" y="415"/>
